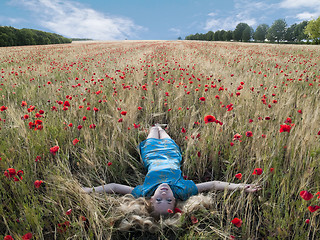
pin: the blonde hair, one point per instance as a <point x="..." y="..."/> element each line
<point x="137" y="213"/>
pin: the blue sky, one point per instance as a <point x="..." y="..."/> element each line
<point x="149" y="19"/>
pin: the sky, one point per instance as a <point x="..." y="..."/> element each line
<point x="149" y="19"/>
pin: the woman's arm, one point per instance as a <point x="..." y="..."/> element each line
<point x="110" y="188"/>
<point x="217" y="185"/>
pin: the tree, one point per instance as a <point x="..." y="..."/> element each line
<point x="228" y="35"/>
<point x="209" y="36"/>
<point x="221" y="35"/>
<point x="277" y="31"/>
<point x="313" y="30"/>
<point x="299" y="31"/>
<point x="290" y="35"/>
<point x="247" y="34"/>
<point x="216" y="36"/>
<point x="261" y="32"/>
<point x="237" y="33"/>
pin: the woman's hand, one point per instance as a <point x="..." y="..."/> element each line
<point x="250" y="188"/>
<point x="87" y="190"/>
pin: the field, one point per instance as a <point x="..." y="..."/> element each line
<point x="73" y="115"/>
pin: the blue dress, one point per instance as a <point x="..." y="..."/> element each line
<point x="162" y="158"/>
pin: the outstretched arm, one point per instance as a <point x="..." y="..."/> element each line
<point x="217" y="185"/>
<point x="110" y="188"/>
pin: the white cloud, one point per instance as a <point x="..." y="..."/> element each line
<point x="300" y="3"/>
<point x="307" y="16"/>
<point x="243" y="11"/>
<point x="175" y="31"/>
<point x="73" y="19"/>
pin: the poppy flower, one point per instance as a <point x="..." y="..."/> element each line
<point x="93" y="126"/>
<point x="299" y="111"/>
<point x="318" y="193"/>
<point x="231" y="144"/>
<point x="313" y="208"/>
<point x="10" y="172"/>
<point x="177" y="210"/>
<point x="202" y="99"/>
<point x="285" y="128"/>
<point x="194" y="220"/>
<point x="66" y="104"/>
<point x="8" y="237"/>
<point x="239" y="176"/>
<point x="38" y="183"/>
<point x="3" y="108"/>
<point x="23" y="103"/>
<point x="257" y="171"/>
<point x="123" y="113"/>
<point x="84" y="118"/>
<point x="237" y="136"/>
<point x="170" y="211"/>
<point x="139" y="108"/>
<point x="109" y="164"/>
<point x="136" y="125"/>
<point x="209" y="118"/>
<point x="69" y="211"/>
<point x="79" y="127"/>
<point x="183" y="130"/>
<point x="54" y="150"/>
<point x="271" y="169"/>
<point x="37" y="158"/>
<point x="27" y="236"/>
<point x="250" y="120"/>
<point x="307" y="221"/>
<point x="237" y="222"/>
<point x="306" y="195"/>
<point x="249" y="134"/>
<point x="75" y="141"/>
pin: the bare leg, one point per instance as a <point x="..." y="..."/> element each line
<point x="163" y="134"/>
<point x="154" y="133"/>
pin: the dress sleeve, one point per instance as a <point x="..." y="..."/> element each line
<point x="185" y="189"/>
<point x="136" y="192"/>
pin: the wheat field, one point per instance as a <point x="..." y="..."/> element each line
<point x="72" y="116"/>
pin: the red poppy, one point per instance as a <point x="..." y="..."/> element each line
<point x="237" y="222"/>
<point x="123" y="113"/>
<point x="37" y="158"/>
<point x="231" y="144"/>
<point x="120" y="120"/>
<point x="23" y="103"/>
<point x="69" y="211"/>
<point x="66" y="104"/>
<point x="3" y="108"/>
<point x="183" y="130"/>
<point x="239" y="176"/>
<point x="237" y="136"/>
<point x="257" y="171"/>
<point x="8" y="237"/>
<point x="202" y="99"/>
<point x="307" y="221"/>
<point x="285" y="128"/>
<point x="136" y="125"/>
<point x="54" y="150"/>
<point x="10" y="172"/>
<point x="41" y="111"/>
<point x="249" y="134"/>
<point x="38" y="183"/>
<point x="177" y="210"/>
<point x="92" y="126"/>
<point x="95" y="109"/>
<point x="27" y="236"/>
<point x="271" y="169"/>
<point x="84" y="118"/>
<point x="209" y="118"/>
<point x="75" y="141"/>
<point x="194" y="220"/>
<point x="250" y="120"/>
<point x="318" y="193"/>
<point x="139" y="108"/>
<point x="79" y="127"/>
<point x="288" y="120"/>
<point x="313" y="208"/>
<point x="306" y="195"/>
<point x="299" y="111"/>
<point x="109" y="164"/>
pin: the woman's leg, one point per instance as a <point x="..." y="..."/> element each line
<point x="163" y="134"/>
<point x="154" y="133"/>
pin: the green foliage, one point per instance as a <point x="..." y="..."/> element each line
<point x="261" y="32"/>
<point x="238" y="33"/>
<point x="10" y="36"/>
<point x="277" y="31"/>
<point x="313" y="30"/>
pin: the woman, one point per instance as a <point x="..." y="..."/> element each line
<point x="164" y="182"/>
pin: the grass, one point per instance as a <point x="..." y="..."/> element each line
<point x="166" y="79"/>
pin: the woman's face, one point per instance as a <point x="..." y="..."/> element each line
<point x="163" y="199"/>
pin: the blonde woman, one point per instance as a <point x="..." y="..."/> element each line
<point x="164" y="182"/>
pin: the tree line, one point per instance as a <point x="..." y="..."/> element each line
<point x="278" y="32"/>
<point x="10" y="36"/>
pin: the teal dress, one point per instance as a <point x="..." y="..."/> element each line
<point x="162" y="158"/>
